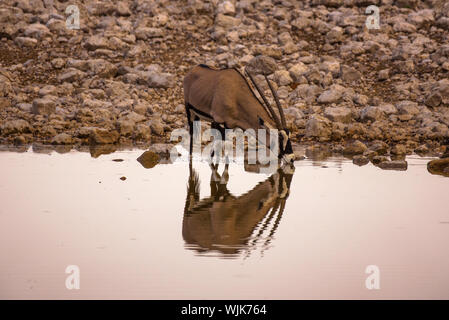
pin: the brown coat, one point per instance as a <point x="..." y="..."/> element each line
<point x="226" y="97"/>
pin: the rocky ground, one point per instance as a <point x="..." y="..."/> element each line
<point x="118" y="79"/>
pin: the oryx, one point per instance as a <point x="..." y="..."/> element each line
<point x="228" y="224"/>
<point x="225" y="98"/>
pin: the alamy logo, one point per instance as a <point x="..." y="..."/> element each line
<point x="73" y="20"/>
<point x="73" y="280"/>
<point x="373" y="280"/>
<point x="373" y="20"/>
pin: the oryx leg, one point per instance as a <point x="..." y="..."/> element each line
<point x="214" y="179"/>
<point x="190" y="122"/>
<point x="225" y="175"/>
<point x="218" y="183"/>
<point x="217" y="126"/>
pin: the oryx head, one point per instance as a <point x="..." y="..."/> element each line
<point x="285" y="145"/>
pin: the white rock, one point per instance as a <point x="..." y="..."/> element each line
<point x="226" y="7"/>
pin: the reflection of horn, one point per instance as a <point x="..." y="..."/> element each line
<point x="264" y="225"/>
<point x="275" y="226"/>
<point x="270" y="109"/>
<point x="276" y="98"/>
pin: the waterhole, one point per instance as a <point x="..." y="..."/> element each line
<point x="181" y="231"/>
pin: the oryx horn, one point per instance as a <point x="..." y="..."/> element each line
<point x="271" y="111"/>
<point x="276" y="98"/>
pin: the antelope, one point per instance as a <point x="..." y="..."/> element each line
<point x="228" y="224"/>
<point x="225" y="99"/>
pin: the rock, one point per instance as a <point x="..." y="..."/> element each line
<point x="314" y="76"/>
<point x="47" y="90"/>
<point x="398" y="149"/>
<point x="37" y="31"/>
<point x="349" y="74"/>
<point x="82" y="65"/>
<point x="100" y="149"/>
<point x="225" y="21"/>
<point x="329" y="3"/>
<point x="297" y="71"/>
<point x="143" y="109"/>
<point x="433" y="100"/>
<point x="102" y="68"/>
<point x="400" y="165"/>
<point x="15" y="126"/>
<point x="356" y="147"/>
<point x="6" y="88"/>
<point x="406" y="66"/>
<point x="43" y="106"/>
<point x="27" y="107"/>
<point x="227" y="8"/>
<point x="25" y="42"/>
<point x="332" y="95"/>
<point x="407" y="107"/>
<point x="443" y="88"/>
<point x="103" y="136"/>
<point x="383" y="74"/>
<point x="294" y="113"/>
<point x="339" y="114"/>
<point x="20" y="140"/>
<point x="56" y="26"/>
<point x="402" y="26"/>
<point x="123" y="9"/>
<point x="371" y="113"/>
<point x="335" y="35"/>
<point x="62" y="138"/>
<point x="388" y="108"/>
<point x="161" y="19"/>
<point x="422" y="149"/>
<point x="439" y="167"/>
<point x="332" y="66"/>
<point x="261" y="65"/>
<point x="145" y="33"/>
<point x="148" y="159"/>
<point x="379" y="147"/>
<point x="159" y="80"/>
<point x="160" y="148"/>
<point x="406" y="3"/>
<point x="71" y="75"/>
<point x="284" y="38"/>
<point x="134" y="117"/>
<point x="360" y="160"/>
<point x="446" y="152"/>
<point x="125" y="127"/>
<point x="96" y="42"/>
<point x="143" y="132"/>
<point x="4" y="103"/>
<point x="268" y="51"/>
<point x="319" y="127"/>
<point x="379" y="159"/>
<point x="156" y="127"/>
<point x="283" y="78"/>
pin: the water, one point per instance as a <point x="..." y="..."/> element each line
<point x="249" y="239"/>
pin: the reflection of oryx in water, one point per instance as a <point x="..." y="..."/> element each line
<point x="229" y="224"/>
